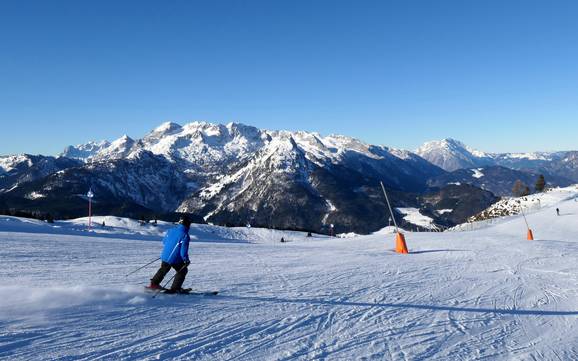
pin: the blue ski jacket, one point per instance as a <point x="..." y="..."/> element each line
<point x="176" y="245"/>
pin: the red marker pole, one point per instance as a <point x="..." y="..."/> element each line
<point x="90" y="195"/>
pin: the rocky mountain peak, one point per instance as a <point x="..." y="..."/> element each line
<point x="451" y="154"/>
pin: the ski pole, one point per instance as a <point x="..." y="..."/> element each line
<point x="138" y="269"/>
<point x="156" y="259"/>
<point x="170" y="279"/>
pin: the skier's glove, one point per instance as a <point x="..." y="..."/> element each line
<point x="187" y="263"/>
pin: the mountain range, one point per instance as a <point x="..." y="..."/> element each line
<point x="237" y="174"/>
<point x="452" y="155"/>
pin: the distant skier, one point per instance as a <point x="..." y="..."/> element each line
<point x="557" y="211"/>
<point x="175" y="254"/>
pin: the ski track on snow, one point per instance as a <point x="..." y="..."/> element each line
<point x="480" y="295"/>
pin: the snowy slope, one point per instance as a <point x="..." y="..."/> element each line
<point x="413" y="216"/>
<point x="529" y="204"/>
<point x="486" y="294"/>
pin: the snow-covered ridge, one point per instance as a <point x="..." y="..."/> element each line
<point x="202" y="142"/>
<point x="449" y="145"/>
<point x="85" y="151"/>
<point x="7" y="163"/>
<point x="530" y="156"/>
<point x="451" y="154"/>
<point x="452" y="147"/>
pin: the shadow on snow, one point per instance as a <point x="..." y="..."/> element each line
<point x="497" y="311"/>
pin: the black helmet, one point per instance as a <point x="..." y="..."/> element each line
<point x="185" y="220"/>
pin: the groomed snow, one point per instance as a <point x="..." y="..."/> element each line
<point x="480" y="295"/>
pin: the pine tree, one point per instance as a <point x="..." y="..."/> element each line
<point x="520" y="189"/>
<point x="540" y="183"/>
<point x="517" y="188"/>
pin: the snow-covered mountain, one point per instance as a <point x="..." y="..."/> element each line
<point x="142" y="184"/>
<point x="237" y="174"/>
<point x="7" y="163"/>
<point x="452" y="155"/>
<point x="23" y="168"/>
<point x="565" y="165"/>
<point x="204" y="150"/>
<point x="84" y="151"/>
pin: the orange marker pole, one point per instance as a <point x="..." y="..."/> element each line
<point x="530" y="235"/>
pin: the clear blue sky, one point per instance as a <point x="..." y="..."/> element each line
<point x="498" y="75"/>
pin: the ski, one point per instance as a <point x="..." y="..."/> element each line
<point x="190" y="291"/>
<point x="150" y="289"/>
<point x="202" y="293"/>
<point x="184" y="291"/>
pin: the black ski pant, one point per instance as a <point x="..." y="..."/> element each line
<point x="181" y="269"/>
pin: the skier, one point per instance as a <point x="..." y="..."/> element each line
<point x="557" y="211"/>
<point x="175" y="254"/>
